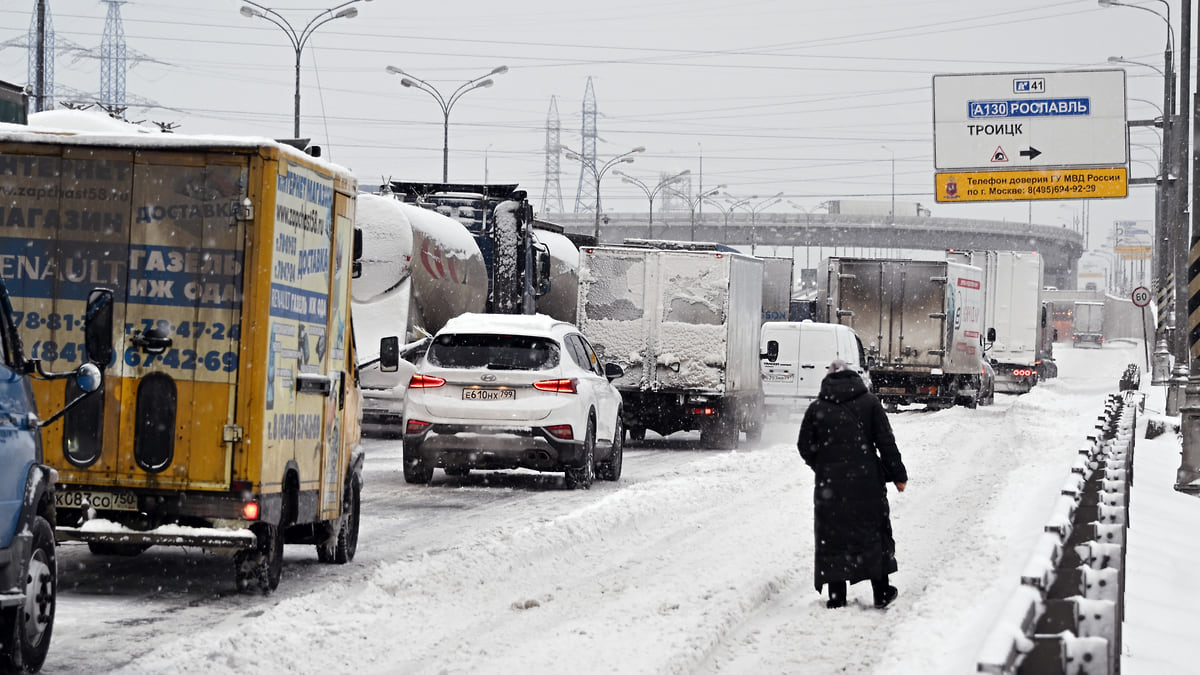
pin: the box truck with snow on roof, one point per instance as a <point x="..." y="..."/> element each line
<point x="920" y="322"/>
<point x="229" y="419"/>
<point x="682" y="320"/>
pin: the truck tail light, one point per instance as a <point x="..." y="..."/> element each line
<point x="415" y="426"/>
<point x="703" y="412"/>
<point x="563" y="386"/>
<point x="250" y="510"/>
<point x="419" y="381"/>
<point x="561" y="431"/>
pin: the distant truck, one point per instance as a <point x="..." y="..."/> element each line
<point x="1012" y="285"/>
<point x="866" y="207"/>
<point x="1088" y="325"/>
<point x="230" y="419"/>
<point x="921" y="325"/>
<point x="28" y="569"/>
<point x="683" y="323"/>
<point x="777" y="289"/>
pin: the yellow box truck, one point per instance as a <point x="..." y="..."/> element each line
<point x="230" y="411"/>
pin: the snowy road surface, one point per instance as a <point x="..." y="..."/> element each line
<point x="697" y="561"/>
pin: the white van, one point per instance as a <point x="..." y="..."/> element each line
<point x="801" y="351"/>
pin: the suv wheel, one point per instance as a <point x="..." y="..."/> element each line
<point x="415" y="468"/>
<point x="583" y="476"/>
<point x="610" y="469"/>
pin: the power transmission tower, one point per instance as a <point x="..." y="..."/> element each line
<point x="585" y="195"/>
<point x="112" y="60"/>
<point x="552" y="191"/>
<point x="41" y="58"/>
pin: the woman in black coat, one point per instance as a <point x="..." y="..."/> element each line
<point x="846" y="440"/>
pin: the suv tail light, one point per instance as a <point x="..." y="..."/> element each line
<point x="419" y="381"/>
<point x="415" y="426"/>
<point x="563" y="386"/>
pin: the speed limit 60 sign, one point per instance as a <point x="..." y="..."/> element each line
<point x="1141" y="296"/>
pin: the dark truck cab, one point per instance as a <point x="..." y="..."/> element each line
<point x="28" y="571"/>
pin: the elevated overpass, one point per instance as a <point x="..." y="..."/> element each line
<point x="1059" y="246"/>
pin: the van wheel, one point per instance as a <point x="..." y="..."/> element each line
<point x="342" y="548"/>
<point x="27" y="627"/>
<point x="262" y="565"/>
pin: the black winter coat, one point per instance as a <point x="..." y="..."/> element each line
<point x="847" y="441"/>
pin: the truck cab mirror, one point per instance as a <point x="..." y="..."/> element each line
<point x="389" y="354"/>
<point x="772" y="351"/>
<point x="356" y="265"/>
<point x="612" y="371"/>
<point x="543" y="270"/>
<point x="98" y="328"/>
<point x="991" y="335"/>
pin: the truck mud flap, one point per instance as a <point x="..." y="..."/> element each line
<point x="205" y="538"/>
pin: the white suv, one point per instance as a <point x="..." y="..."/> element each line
<point x="498" y="391"/>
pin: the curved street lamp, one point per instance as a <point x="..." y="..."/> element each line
<point x="299" y="37"/>
<point x="735" y="204"/>
<point x="695" y="202"/>
<point x="754" y="210"/>
<point x="598" y="173"/>
<point x="446" y="103"/>
<point x="651" y="192"/>
<point x="725" y="211"/>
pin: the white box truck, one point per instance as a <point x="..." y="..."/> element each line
<point x="683" y="323"/>
<point x="1012" y="285"/>
<point x="1088" y="325"/>
<point x="920" y="322"/>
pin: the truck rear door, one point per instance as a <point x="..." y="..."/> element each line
<point x="176" y="378"/>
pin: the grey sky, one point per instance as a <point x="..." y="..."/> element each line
<point x="789" y="96"/>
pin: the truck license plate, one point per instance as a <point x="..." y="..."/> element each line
<point x="891" y="390"/>
<point x="101" y="501"/>
<point x="489" y="394"/>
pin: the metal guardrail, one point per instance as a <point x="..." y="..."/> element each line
<point x="1066" y="615"/>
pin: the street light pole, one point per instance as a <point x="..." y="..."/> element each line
<point x="651" y="192"/>
<point x="299" y="37"/>
<point x="598" y="173"/>
<point x="892" y="213"/>
<point x="724" y="212"/>
<point x="446" y="103"/>
<point x="755" y="210"/>
<point x="696" y="201"/>
<point x="734" y="204"/>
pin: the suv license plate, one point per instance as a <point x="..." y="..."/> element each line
<point x="101" y="501"/>
<point x="489" y="394"/>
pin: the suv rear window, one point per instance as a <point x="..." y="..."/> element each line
<point x="497" y="352"/>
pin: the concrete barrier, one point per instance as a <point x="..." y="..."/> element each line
<point x="1066" y="616"/>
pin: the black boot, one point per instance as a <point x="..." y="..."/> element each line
<point x="837" y="595"/>
<point x="884" y="594"/>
